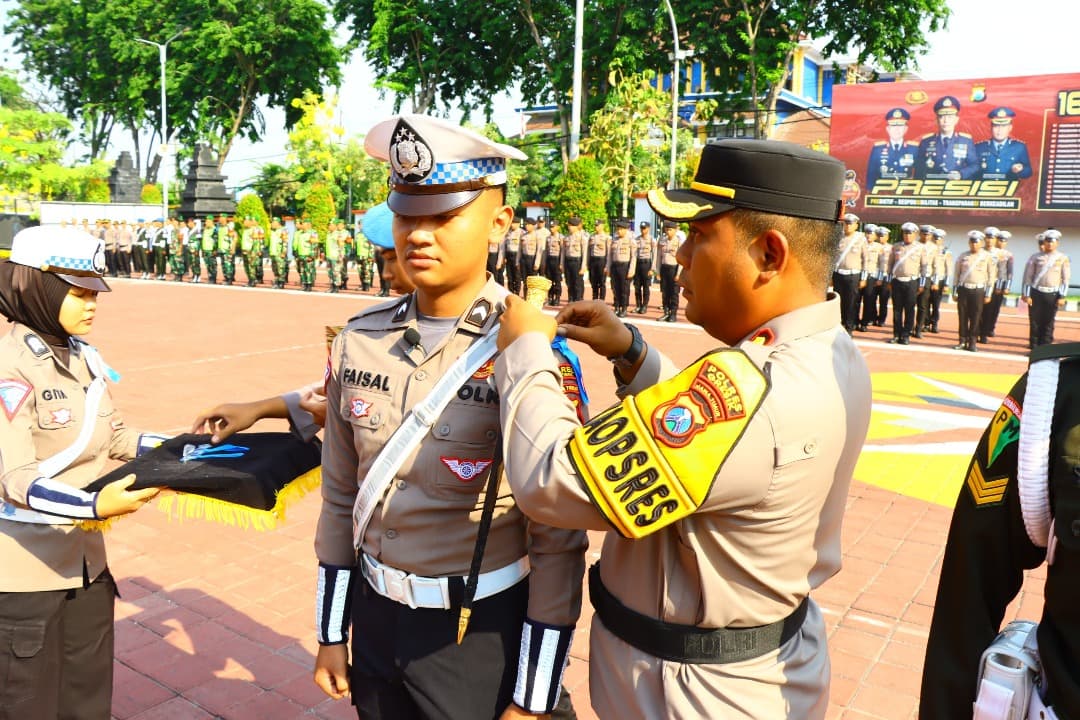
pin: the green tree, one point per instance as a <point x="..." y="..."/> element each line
<point x="277" y="186"/>
<point x="227" y="56"/>
<point x="319" y="205"/>
<point x="629" y="136"/>
<point x="96" y="191"/>
<point x="250" y="205"/>
<point x="748" y="45"/>
<point x="151" y="194"/>
<point x="581" y="191"/>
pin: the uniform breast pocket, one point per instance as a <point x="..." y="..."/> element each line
<point x="56" y="414"/>
<point x="464" y="444"/>
<point x="365" y="411"/>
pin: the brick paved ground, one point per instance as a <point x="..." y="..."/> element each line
<point x="217" y="622"/>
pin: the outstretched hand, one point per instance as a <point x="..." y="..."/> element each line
<point x="594" y="323"/>
<point x="115" y="499"/>
<point x="520" y="318"/>
<point x="225" y="420"/>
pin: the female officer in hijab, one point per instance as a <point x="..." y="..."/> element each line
<point x="57" y="428"/>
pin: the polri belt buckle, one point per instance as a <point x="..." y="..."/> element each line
<point x="398" y="586"/>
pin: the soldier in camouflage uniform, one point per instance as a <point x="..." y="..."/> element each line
<point x="279" y="253"/>
<point x="191" y="248"/>
<point x="226" y="248"/>
<point x="334" y="250"/>
<point x="350" y="255"/>
<point x="259" y="236"/>
<point x="178" y="248"/>
<point x="247" y="249"/>
<point x="365" y="260"/>
<point x="305" y="246"/>
<point x="209" y="249"/>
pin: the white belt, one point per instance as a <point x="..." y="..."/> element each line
<point x="1048" y="289"/>
<point x="434" y="592"/>
<point x="973" y="286"/>
<point x="845" y="271"/>
<point x="904" y="279"/>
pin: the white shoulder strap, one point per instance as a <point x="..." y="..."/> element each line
<point x="416" y="424"/>
<point x="1033" y="451"/>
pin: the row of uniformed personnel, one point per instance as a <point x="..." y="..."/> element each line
<point x="539" y="249"/>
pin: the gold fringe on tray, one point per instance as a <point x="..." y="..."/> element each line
<point x="188" y="506"/>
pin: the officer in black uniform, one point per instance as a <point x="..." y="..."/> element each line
<point x="1008" y="520"/>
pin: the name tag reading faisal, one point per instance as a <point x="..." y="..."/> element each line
<point x="651" y="460"/>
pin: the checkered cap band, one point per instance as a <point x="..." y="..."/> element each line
<point x="75" y="264"/>
<point x="450" y="173"/>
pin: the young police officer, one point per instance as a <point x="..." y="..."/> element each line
<point x="402" y="532"/>
<point x="721" y="490"/>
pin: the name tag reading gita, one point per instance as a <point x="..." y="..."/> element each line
<point x="651" y="460"/>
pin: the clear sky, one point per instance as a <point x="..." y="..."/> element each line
<point x="985" y="38"/>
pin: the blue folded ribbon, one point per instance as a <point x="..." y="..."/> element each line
<point x="560" y="344"/>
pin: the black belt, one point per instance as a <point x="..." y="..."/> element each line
<point x="687" y="643"/>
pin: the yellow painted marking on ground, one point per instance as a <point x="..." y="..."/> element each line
<point x="932" y="477"/>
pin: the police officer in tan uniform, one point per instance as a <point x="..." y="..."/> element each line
<point x="1005" y="262"/>
<point x="574" y="245"/>
<point x="554" y="250"/>
<point x="721" y="490"/>
<point x="59" y="427"/>
<point x="1046" y="283"/>
<point x="453" y="593"/>
<point x="667" y="247"/>
<point x="885" y="296"/>
<point x="511" y="248"/>
<point x="940" y="278"/>
<point x="621" y="258"/>
<point x="973" y="282"/>
<point x="599" y="243"/>
<point x="922" y="302"/>
<point x="849" y="277"/>
<point x="644" y="265"/>
<point x="866" y="308"/>
<point x="907" y="274"/>
<point x="530" y="252"/>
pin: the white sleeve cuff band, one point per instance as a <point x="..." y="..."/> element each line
<point x="541" y="662"/>
<point x="332" y="603"/>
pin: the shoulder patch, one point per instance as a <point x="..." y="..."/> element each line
<point x="651" y="460"/>
<point x="36" y="345"/>
<point x="479" y="313"/>
<point x="376" y="316"/>
<point x="985" y="492"/>
<point x="402" y="309"/>
<point x="1004" y="429"/>
<point x="13" y="393"/>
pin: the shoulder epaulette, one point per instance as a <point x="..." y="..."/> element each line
<point x="380" y="314"/>
<point x="879" y="143"/>
<point x="928" y="135"/>
<point x="963" y="134"/>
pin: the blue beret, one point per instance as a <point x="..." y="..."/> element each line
<point x="378" y="226"/>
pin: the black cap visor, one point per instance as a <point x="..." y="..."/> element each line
<point x="429" y="204"/>
<point x="88" y="282"/>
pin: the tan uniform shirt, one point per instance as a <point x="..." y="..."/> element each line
<point x="574" y="245"/>
<point x="426" y="523"/>
<point x="850" y="256"/>
<point x="598" y="245"/>
<point x="621" y="250"/>
<point x="907" y="261"/>
<point x="555" y="247"/>
<point x="513" y="240"/>
<point x="44" y="422"/>
<point x="883" y="260"/>
<point x="943" y="268"/>
<point x="872" y="252"/>
<point x="766" y="535"/>
<point x="667" y="248"/>
<point x="1047" y="272"/>
<point x="645" y="249"/>
<point x="1005" y="262"/>
<point x="975" y="271"/>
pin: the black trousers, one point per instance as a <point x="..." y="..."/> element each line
<point x="935" y="304"/>
<point x="903" y="302"/>
<point x="991" y="312"/>
<point x="407" y="665"/>
<point x="597" y="278"/>
<point x="867" y="305"/>
<point x="669" y="291"/>
<point x="847" y="287"/>
<point x="969" y="308"/>
<point x="56" y="652"/>
<point x="620" y="284"/>
<point x="553" y="272"/>
<point x="513" y="272"/>
<point x="575" y="283"/>
<point x="492" y="267"/>
<point x="123" y="262"/>
<point x="138" y="254"/>
<point x="642" y="282"/>
<point x="1041" y="317"/>
<point x="161" y="255"/>
<point x="883" y="298"/>
<point x="922" y="311"/>
<point x="380" y="263"/>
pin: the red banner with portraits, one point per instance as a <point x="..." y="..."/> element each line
<point x="1004" y="150"/>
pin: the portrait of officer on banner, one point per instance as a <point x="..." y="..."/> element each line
<point x="1003" y="157"/>
<point x="893" y="158"/>
<point x="947" y="154"/>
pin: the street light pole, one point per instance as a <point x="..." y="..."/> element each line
<point x="575" y="101"/>
<point x="674" y="93"/>
<point x="162" y="47"/>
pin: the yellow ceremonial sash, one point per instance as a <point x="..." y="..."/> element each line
<point x="651" y="460"/>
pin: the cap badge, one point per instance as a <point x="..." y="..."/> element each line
<point x="410" y="155"/>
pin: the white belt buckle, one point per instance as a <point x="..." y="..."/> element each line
<point x="398" y="586"/>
